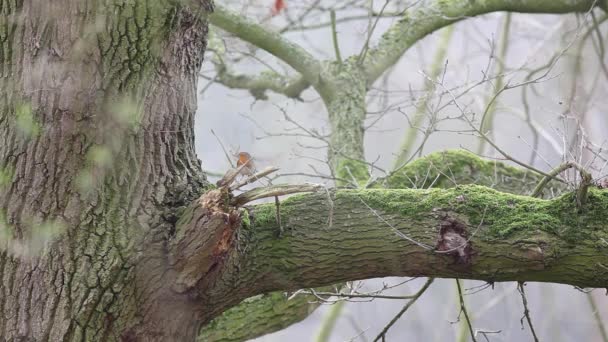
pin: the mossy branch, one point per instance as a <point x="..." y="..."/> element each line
<point x="259" y="84"/>
<point x="447" y="169"/>
<point x="497" y="237"/>
<point x="258" y="316"/>
<point x="439" y="170"/>
<point x="248" y="30"/>
<point x="506" y="238"/>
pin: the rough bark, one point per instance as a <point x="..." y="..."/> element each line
<point x="97" y="105"/>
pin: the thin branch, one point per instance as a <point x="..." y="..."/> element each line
<point x="438" y="65"/>
<point x="268" y="170"/>
<point x="520" y="287"/>
<point x="581" y="193"/>
<point x="223" y="149"/>
<point x="425" y="19"/>
<point x="358" y="295"/>
<point x="463" y="309"/>
<point x="382" y="335"/>
<point x="272" y="191"/>
<point x="370" y="32"/>
<point x="498" y="149"/>
<point x="256" y="34"/>
<point x="487" y="120"/>
<point x="596" y="314"/>
<point x="334" y="36"/>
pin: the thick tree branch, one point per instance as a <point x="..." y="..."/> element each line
<point x="467" y="232"/>
<point x="502" y="237"/>
<point x="258" y="316"/>
<point x="438" y="170"/>
<point x="259" y="84"/>
<point x="249" y="31"/>
<point x="422" y="20"/>
<point x="256" y="84"/>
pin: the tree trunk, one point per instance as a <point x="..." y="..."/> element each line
<point x="343" y="89"/>
<point x="97" y="153"/>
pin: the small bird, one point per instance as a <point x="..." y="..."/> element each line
<point x="246" y="160"/>
<point x="244" y="167"/>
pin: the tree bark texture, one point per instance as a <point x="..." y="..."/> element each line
<point x="97" y="104"/>
<point x="469" y="232"/>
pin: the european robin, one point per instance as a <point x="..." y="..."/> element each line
<point x="245" y="159"/>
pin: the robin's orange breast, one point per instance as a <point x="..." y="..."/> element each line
<point x="245" y="160"/>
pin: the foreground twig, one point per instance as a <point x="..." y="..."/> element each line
<point x="463" y="309"/>
<point x="382" y="335"/>
<point x="255" y="177"/>
<point x="520" y="287"/>
<point x="598" y="318"/>
<point x="329" y="322"/>
<point x="271" y="191"/>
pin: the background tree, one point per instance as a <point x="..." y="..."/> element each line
<point x="515" y="64"/>
<point x="112" y="232"/>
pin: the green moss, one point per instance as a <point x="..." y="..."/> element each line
<point x="245" y="220"/>
<point x="504" y="215"/>
<point x="458" y="167"/>
<point x="6" y="176"/>
<point x="405" y="202"/>
<point x="25" y="120"/>
<point x="351" y="170"/>
<point x="257" y="316"/>
<point x="265" y="214"/>
<point x="585" y="223"/>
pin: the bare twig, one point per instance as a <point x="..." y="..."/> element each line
<point x="487" y="119"/>
<point x="382" y="335"/>
<point x="485" y="332"/>
<point x="255" y="177"/>
<point x="484" y="136"/>
<point x="463" y="309"/>
<point x="334" y="35"/>
<point x="520" y="287"/>
<point x="274" y="190"/>
<point x="223" y="149"/>
<point x="365" y="47"/>
<point x="598" y="318"/>
<point x="581" y="193"/>
<point x="355" y="295"/>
